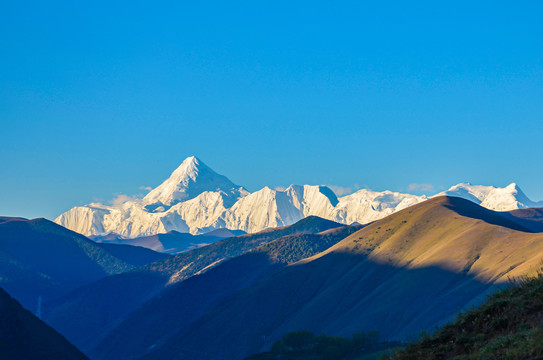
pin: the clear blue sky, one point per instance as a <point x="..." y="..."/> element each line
<point x="98" y="99"/>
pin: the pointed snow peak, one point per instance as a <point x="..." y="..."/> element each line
<point x="494" y="198"/>
<point x="188" y="168"/>
<point x="507" y="198"/>
<point x="475" y="193"/>
<point x="189" y="180"/>
<point x="519" y="195"/>
<point x="515" y="190"/>
<point x="513" y="186"/>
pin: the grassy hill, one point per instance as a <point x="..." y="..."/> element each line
<point x="134" y="255"/>
<point x="304" y="345"/>
<point x="507" y="326"/>
<point x="174" y="309"/>
<point x="411" y="271"/>
<point x="25" y="337"/>
<point x="40" y="258"/>
<point x="86" y="315"/>
<point x="292" y="248"/>
<point x="187" y="264"/>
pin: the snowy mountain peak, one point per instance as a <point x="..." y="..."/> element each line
<point x="514" y="190"/>
<point x="495" y="198"/>
<point x="196" y="199"/>
<point x="189" y="180"/>
<point x="512" y="186"/>
<point x="189" y="169"/>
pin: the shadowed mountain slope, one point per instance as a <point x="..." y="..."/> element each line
<point x="178" y="306"/>
<point x="24" y="337"/>
<point x="305" y="345"/>
<point x="184" y="265"/>
<point x="84" y="315"/>
<point x="506" y="326"/>
<point x="410" y="271"/>
<point x="133" y="255"/>
<point x="531" y="218"/>
<point x="41" y="258"/>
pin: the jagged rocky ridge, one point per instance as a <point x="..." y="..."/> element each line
<point x="196" y="199"/>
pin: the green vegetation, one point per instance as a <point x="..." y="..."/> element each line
<point x="509" y="325"/>
<point x="304" y="345"/>
<point x="189" y="263"/>
<point x="292" y="248"/>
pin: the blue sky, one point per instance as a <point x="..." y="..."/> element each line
<point x="100" y="99"/>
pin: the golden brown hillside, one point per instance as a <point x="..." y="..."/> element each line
<point x="412" y="271"/>
<point x="450" y="233"/>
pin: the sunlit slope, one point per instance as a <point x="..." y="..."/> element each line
<point x="453" y="234"/>
<point x="408" y="272"/>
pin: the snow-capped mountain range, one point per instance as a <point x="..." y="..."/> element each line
<point x="196" y="199"/>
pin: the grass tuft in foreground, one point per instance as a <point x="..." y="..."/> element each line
<point x="509" y="325"/>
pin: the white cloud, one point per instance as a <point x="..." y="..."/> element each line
<point x="121" y="199"/>
<point x="421" y="187"/>
<point x="146" y="188"/>
<point x="280" y="188"/>
<point x="343" y="190"/>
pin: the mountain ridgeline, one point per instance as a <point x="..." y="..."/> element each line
<point x="409" y="272"/>
<point x="172" y="242"/>
<point x="180" y="305"/>
<point x="196" y="200"/>
<point x="83" y="314"/>
<point x="39" y="258"/>
<point x="187" y="264"/>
